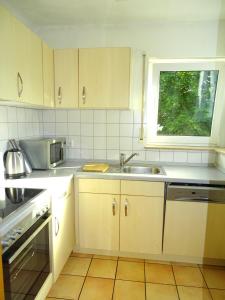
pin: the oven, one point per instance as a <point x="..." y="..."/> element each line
<point x="26" y="264"/>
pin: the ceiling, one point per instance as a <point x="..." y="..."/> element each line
<point x="80" y="12"/>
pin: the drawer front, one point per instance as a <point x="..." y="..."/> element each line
<point x="142" y="188"/>
<point x="99" y="186"/>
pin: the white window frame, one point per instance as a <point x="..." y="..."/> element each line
<point x="154" y="68"/>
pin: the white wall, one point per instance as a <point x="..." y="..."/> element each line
<point x="160" y="39"/>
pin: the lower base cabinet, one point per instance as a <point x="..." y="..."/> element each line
<point x="141" y="224"/>
<point x="115" y="222"/>
<point x="194" y="230"/>
<point x="63" y="228"/>
<point x="99" y="221"/>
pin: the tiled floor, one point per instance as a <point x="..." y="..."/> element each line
<point x="96" y="277"/>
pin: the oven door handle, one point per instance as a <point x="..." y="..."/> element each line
<point x="15" y="275"/>
<point x="24" y="245"/>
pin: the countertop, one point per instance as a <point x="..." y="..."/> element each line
<point x="173" y="173"/>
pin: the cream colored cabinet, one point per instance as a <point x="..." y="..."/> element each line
<point x="194" y="229"/>
<point x="66" y="78"/>
<point x="8" y="76"/>
<point x="141" y="224"/>
<point x="99" y="221"/>
<point x="115" y="222"/>
<point x="141" y="216"/>
<point x="48" y="75"/>
<point x="21" y="36"/>
<point x="21" y="62"/>
<point x="214" y="234"/>
<point x="35" y="70"/>
<point x="63" y="227"/>
<point x="104" y="77"/>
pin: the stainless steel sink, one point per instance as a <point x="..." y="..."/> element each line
<point x="142" y="170"/>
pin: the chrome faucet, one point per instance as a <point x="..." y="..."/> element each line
<point x="124" y="161"/>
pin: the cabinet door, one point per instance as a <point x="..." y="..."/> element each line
<point x="215" y="233"/>
<point x="63" y="229"/>
<point x="21" y="37"/>
<point x="185" y="228"/>
<point x="48" y="76"/>
<point x="8" y="87"/>
<point x="104" y="77"/>
<point x="99" y="221"/>
<point x="141" y="224"/>
<point x="35" y="80"/>
<point x="66" y="78"/>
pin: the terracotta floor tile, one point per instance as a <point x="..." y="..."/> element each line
<point x="129" y="290"/>
<point x="54" y="299"/>
<point x="82" y="255"/>
<point x="106" y="257"/>
<point x="214" y="278"/>
<point x="176" y="263"/>
<point x="218" y="294"/>
<point x="97" y="289"/>
<point x="128" y="270"/>
<point x="67" y="287"/>
<point x="76" y="266"/>
<point x="161" y="262"/>
<point x="188" y="276"/>
<point x="193" y="293"/>
<point x="102" y="268"/>
<point x="131" y="259"/>
<point x="158" y="273"/>
<point x="161" y="292"/>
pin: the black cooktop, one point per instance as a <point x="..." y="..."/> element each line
<point x="13" y="198"/>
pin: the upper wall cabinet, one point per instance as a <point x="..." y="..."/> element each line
<point x="48" y="76"/>
<point x="104" y="78"/>
<point x="21" y="62"/>
<point x="8" y="91"/>
<point x="66" y="78"/>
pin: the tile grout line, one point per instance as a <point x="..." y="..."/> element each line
<point x="205" y="282"/>
<point x="175" y="282"/>
<point x="85" y="278"/>
<point x="145" y="281"/>
<point x="115" y="278"/>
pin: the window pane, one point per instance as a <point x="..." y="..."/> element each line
<point x="186" y="102"/>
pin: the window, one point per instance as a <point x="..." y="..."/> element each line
<point x="182" y="102"/>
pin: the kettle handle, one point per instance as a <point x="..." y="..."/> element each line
<point x="4" y="157"/>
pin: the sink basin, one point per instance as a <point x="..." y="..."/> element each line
<point x="143" y="170"/>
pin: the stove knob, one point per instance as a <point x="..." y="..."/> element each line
<point x="19" y="230"/>
<point x="12" y="237"/>
<point x="38" y="214"/>
<point x="5" y="243"/>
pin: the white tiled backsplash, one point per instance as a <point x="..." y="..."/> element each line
<point x="91" y="134"/>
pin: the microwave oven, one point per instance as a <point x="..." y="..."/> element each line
<point x="44" y="153"/>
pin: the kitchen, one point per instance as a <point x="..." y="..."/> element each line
<point x="86" y="75"/>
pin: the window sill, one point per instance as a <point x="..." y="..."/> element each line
<point x="174" y="147"/>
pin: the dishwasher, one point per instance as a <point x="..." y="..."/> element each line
<point x="194" y="224"/>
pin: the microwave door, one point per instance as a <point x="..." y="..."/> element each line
<point x="56" y="153"/>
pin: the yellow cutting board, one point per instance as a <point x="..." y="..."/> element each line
<point x="95" y="168"/>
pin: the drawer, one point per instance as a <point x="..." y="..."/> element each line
<point x="142" y="188"/>
<point x="99" y="186"/>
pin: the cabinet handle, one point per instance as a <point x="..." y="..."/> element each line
<point x="56" y="226"/>
<point x="126" y="207"/>
<point x="84" y="95"/>
<point x="114" y="207"/>
<point x="19" y="85"/>
<point x="60" y="95"/>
